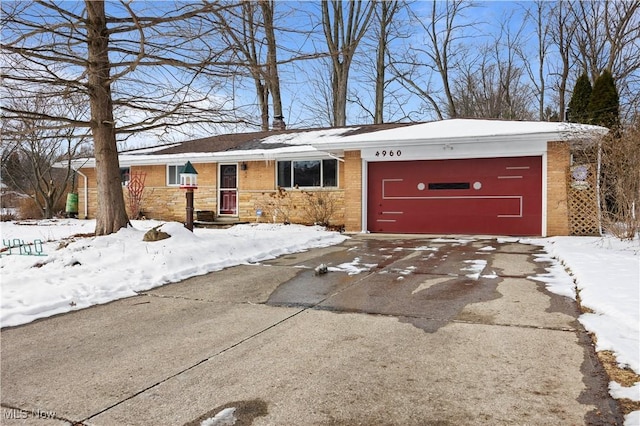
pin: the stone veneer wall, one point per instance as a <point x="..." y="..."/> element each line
<point x="159" y="200"/>
<point x="255" y="185"/>
<point x="257" y="190"/>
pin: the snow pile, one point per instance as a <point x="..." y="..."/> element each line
<point x="606" y="274"/>
<point x="355" y="267"/>
<point x="223" y="418"/>
<point x="607" y="277"/>
<point x="476" y="267"/>
<point x="86" y="271"/>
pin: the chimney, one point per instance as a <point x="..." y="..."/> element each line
<point x="278" y="123"/>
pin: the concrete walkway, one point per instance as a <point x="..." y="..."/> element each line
<point x="429" y="332"/>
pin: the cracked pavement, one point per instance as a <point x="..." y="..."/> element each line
<point x="401" y="330"/>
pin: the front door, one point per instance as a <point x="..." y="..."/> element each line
<point x="228" y="189"/>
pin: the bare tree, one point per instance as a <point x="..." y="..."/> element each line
<point x="562" y="31"/>
<point x="343" y="35"/>
<point x="137" y="70"/>
<point x="30" y="152"/>
<point x="273" y="79"/>
<point x="538" y="14"/>
<point x="385" y="13"/>
<point x="442" y="54"/>
<point x="112" y="214"/>
<point x="607" y="39"/>
<point x="319" y="104"/>
<point x="243" y="27"/>
<point x="620" y="187"/>
<point x="381" y="45"/>
<point x="492" y="85"/>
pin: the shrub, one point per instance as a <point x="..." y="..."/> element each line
<point x="319" y="207"/>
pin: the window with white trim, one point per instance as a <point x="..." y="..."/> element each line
<point x="307" y="173"/>
<point x="173" y="175"/>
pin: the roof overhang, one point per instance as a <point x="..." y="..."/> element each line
<point x="292" y="153"/>
<point x="458" y="138"/>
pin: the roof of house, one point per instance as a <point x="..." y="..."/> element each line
<point x="260" y="140"/>
<point x="294" y="143"/>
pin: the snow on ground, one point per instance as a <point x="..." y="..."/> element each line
<point x="81" y="271"/>
<point x="223" y="418"/>
<point x="606" y="274"/>
<point x="475" y="267"/>
<point x="94" y="270"/>
<point x="352" y="268"/>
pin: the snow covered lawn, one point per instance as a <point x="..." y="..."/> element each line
<point x="78" y="271"/>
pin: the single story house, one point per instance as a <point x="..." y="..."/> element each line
<point x="458" y="176"/>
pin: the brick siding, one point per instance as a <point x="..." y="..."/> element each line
<point x="353" y="193"/>
<point x="257" y="190"/>
<point x="558" y="158"/>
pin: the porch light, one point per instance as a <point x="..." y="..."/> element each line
<point x="189" y="181"/>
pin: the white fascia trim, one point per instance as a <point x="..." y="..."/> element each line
<point x="232" y="157"/>
<point x="364" y="197"/>
<point x="382" y="143"/>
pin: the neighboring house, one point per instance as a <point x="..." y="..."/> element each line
<point x="446" y="177"/>
<point x="10" y="202"/>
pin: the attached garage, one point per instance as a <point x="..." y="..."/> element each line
<point x="501" y="196"/>
<point x="462" y="177"/>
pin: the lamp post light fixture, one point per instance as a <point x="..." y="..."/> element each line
<point x="189" y="181"/>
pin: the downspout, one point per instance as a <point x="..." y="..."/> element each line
<point x="335" y="157"/>
<point x="86" y="192"/>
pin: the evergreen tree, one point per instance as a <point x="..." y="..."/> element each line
<point x="579" y="103"/>
<point x="604" y="103"/>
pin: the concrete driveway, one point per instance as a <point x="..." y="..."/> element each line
<point x="400" y="331"/>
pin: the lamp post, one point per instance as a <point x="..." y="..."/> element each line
<point x="189" y="181"/>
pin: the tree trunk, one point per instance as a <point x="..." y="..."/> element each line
<point x="111" y="214"/>
<point x="385" y="10"/>
<point x="564" y="35"/>
<point x="340" y="95"/>
<point x="262" y="93"/>
<point x="272" y="78"/>
<point x="343" y="36"/>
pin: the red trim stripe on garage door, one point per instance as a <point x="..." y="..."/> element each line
<point x="498" y="196"/>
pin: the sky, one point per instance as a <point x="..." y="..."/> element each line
<point x="303" y="83"/>
<point x="74" y="272"/>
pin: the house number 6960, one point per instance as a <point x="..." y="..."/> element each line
<point x="390" y="153"/>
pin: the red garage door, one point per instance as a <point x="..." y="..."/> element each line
<point x="499" y="196"/>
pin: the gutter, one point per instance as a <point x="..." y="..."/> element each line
<point x="418" y="141"/>
<point x="216" y="157"/>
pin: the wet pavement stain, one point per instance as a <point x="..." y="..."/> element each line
<point x="428" y="283"/>
<point x="245" y="413"/>
<point x="423" y="282"/>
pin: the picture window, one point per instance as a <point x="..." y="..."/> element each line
<point x="307" y="173"/>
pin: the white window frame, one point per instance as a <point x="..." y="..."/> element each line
<point x="321" y="160"/>
<point x="179" y="166"/>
